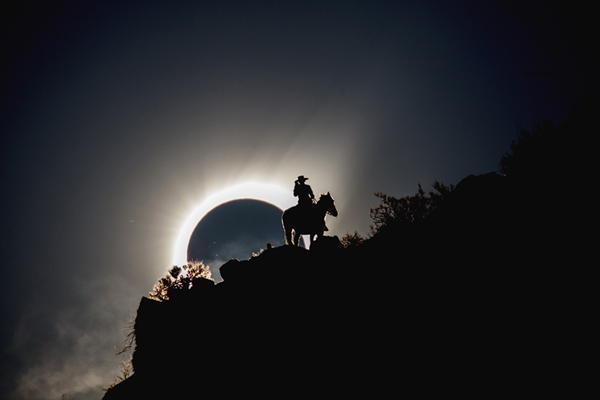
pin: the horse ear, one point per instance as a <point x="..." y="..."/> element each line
<point x="328" y="194"/>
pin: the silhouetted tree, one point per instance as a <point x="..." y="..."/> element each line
<point x="533" y="154"/>
<point x="407" y="209"/>
<point x="350" y="240"/>
<point x="179" y="279"/>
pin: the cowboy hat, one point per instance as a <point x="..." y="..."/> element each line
<point x="301" y="178"/>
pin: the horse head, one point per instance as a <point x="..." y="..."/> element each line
<point x="327" y="202"/>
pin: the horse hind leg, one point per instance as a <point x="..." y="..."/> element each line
<point x="287" y="229"/>
<point x="288" y="236"/>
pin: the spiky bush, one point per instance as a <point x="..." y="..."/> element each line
<point x="407" y="209"/>
<point x="351" y="240"/>
<point x="126" y="371"/>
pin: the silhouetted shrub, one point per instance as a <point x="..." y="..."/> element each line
<point x="179" y="279"/>
<point x="407" y="209"/>
<point x="350" y="240"/>
<point x="532" y="153"/>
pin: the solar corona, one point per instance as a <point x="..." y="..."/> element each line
<point x="266" y="192"/>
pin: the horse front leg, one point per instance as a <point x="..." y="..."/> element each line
<point x="318" y="235"/>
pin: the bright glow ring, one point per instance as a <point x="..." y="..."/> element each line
<point x="269" y="193"/>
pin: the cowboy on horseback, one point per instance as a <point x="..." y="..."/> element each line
<point x="303" y="191"/>
<point x="308" y="217"/>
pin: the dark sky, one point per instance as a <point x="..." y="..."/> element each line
<point x="118" y="118"/>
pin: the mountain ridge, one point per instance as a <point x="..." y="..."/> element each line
<point x="414" y="302"/>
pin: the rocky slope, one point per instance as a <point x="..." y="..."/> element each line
<point x="465" y="302"/>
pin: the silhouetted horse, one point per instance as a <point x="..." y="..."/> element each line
<point x="307" y="219"/>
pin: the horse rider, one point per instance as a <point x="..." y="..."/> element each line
<point x="303" y="191"/>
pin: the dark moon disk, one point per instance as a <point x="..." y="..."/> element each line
<point x="235" y="229"/>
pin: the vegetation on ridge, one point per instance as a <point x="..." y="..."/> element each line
<point x="178" y="279"/>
